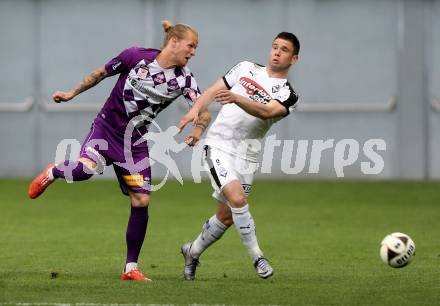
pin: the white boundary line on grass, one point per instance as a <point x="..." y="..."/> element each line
<point x="97" y="304"/>
<point x="76" y="304"/>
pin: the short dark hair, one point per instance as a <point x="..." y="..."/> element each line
<point x="292" y="38"/>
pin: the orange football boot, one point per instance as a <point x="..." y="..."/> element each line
<point x="136" y="275"/>
<point x="40" y="183"/>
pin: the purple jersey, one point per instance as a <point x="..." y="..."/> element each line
<point x="144" y="88"/>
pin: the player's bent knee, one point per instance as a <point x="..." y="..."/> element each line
<point x="139" y="199"/>
<point x="237" y="200"/>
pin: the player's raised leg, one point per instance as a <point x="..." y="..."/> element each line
<point x="245" y="225"/>
<point x="75" y="170"/>
<point x="79" y="170"/>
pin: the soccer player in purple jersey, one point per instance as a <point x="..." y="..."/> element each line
<point x="149" y="80"/>
<point x="253" y="97"/>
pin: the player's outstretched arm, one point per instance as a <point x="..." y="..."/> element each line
<point x="272" y="109"/>
<point x="202" y="104"/>
<point x="202" y="123"/>
<point x="88" y="82"/>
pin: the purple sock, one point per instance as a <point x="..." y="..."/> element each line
<point x="72" y="170"/>
<point x="136" y="230"/>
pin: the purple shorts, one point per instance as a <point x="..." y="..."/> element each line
<point x="105" y="146"/>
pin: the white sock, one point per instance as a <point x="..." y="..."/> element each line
<point x="130" y="266"/>
<point x="50" y="174"/>
<point x="212" y="231"/>
<point x="245" y="225"/>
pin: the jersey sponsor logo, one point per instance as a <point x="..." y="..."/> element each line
<point x="136" y="180"/>
<point x="173" y="85"/>
<point x="148" y="91"/>
<point x="159" y="78"/>
<point x="116" y="65"/>
<point x="254" y="90"/>
<point x="142" y="72"/>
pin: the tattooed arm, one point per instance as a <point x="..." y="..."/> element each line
<point x="202" y="123"/>
<point x="88" y="82"/>
<point x="204" y="120"/>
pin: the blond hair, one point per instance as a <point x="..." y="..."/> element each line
<point x="179" y="31"/>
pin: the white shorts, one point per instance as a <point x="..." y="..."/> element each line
<point x="224" y="168"/>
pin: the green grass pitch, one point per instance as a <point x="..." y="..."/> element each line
<point x="322" y="239"/>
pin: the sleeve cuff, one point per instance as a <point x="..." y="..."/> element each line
<point x="285" y="106"/>
<point x="226" y="83"/>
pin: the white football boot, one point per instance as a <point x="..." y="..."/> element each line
<point x="191" y="263"/>
<point x="263" y="268"/>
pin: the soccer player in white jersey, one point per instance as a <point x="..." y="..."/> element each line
<point x="149" y="81"/>
<point x="253" y="98"/>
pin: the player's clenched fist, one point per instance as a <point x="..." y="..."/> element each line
<point x="61" y="96"/>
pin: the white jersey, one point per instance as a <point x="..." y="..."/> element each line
<point x="236" y="132"/>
